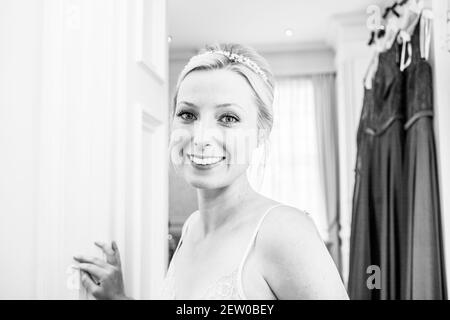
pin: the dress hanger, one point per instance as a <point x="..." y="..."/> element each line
<point x="416" y="6"/>
<point x="416" y="13"/>
<point x="415" y="9"/>
<point x="405" y="39"/>
<point x="380" y="40"/>
<point x="411" y="18"/>
<point x="392" y="29"/>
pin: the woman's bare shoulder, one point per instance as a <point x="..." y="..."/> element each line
<point x="286" y="227"/>
<point x="285" y="221"/>
<point x="294" y="258"/>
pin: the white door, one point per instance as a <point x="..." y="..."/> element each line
<point x="86" y="135"/>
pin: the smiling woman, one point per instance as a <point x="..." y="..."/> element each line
<point x="222" y="111"/>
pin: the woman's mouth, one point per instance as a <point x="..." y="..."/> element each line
<point x="205" y="162"/>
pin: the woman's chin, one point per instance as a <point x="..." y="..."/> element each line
<point x="205" y="183"/>
<point x="212" y="179"/>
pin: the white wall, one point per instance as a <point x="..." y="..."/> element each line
<point x="20" y="56"/>
<point x="313" y="59"/>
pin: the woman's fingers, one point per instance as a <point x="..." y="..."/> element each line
<point x="93" y="260"/>
<point x="111" y="252"/>
<point x="88" y="283"/>
<point x="116" y="253"/>
<point x="94" y="270"/>
<point x="108" y="251"/>
<point x="105" y="248"/>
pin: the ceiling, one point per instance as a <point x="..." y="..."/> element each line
<point x="193" y="23"/>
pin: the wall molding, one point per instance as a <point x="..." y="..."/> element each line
<point x="150" y="26"/>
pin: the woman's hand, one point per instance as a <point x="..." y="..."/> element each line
<point x="109" y="283"/>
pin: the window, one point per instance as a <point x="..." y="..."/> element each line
<point x="291" y="174"/>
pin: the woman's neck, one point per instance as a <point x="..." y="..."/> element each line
<point x="219" y="206"/>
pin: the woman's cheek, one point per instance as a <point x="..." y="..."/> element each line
<point x="178" y="139"/>
<point x="240" y="144"/>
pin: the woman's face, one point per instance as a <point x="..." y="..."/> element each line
<point x="214" y="129"/>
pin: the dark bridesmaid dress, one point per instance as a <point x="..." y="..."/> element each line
<point x="378" y="214"/>
<point x="424" y="273"/>
<point x="360" y="252"/>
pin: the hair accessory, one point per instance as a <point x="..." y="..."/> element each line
<point x="241" y="59"/>
<point x="244" y="60"/>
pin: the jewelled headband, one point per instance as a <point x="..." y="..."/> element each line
<point x="241" y="59"/>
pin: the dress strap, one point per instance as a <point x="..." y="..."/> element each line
<point x="249" y="247"/>
<point x="183" y="232"/>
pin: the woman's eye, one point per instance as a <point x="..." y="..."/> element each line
<point x="229" y="119"/>
<point x="186" y="116"/>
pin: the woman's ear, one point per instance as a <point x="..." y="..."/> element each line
<point x="261" y="137"/>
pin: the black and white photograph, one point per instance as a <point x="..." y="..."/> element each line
<point x="202" y="150"/>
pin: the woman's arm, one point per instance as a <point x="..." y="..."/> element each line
<point x="295" y="261"/>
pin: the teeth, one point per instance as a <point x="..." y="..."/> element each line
<point x="205" y="161"/>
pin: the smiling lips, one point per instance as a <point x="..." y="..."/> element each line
<point x="204" y="161"/>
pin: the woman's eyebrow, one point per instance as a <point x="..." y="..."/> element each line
<point x="222" y="105"/>
<point x="189" y="104"/>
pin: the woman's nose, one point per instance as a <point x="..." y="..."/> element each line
<point x="201" y="139"/>
<point x="201" y="146"/>
<point x="203" y="136"/>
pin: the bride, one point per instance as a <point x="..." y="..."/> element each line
<point x="238" y="244"/>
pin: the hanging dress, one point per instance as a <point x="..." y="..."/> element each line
<point x="377" y="207"/>
<point x="424" y="274"/>
<point x="360" y="239"/>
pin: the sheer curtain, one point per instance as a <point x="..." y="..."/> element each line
<point x="294" y="166"/>
<point x="327" y="142"/>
